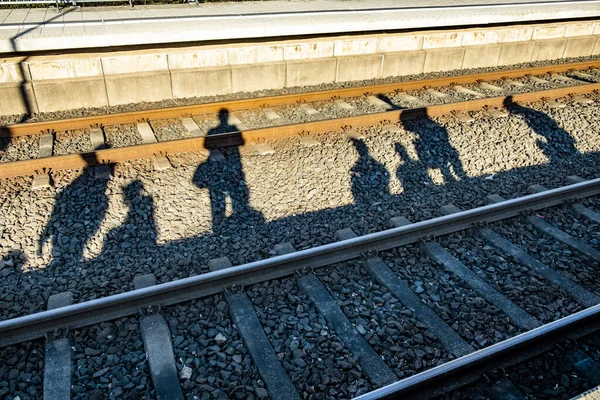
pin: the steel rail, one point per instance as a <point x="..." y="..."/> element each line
<point x="31" y="128"/>
<point x="421" y="384"/>
<point x="120" y="305"/>
<point x="120" y="154"/>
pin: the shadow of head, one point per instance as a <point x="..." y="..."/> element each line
<point x="223" y="115"/>
<point x="360" y="146"/>
<point x="223" y="135"/>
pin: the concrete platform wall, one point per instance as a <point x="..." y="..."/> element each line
<point x="52" y="83"/>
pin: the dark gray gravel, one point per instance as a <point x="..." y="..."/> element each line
<point x="549" y="376"/>
<point x="518" y="283"/>
<point x="574" y="265"/>
<point x="21" y="371"/>
<point x="110" y="362"/>
<point x="478" y="322"/>
<point x="578" y="227"/>
<point x="211" y="357"/>
<point x="405" y="344"/>
<point x="310" y="351"/>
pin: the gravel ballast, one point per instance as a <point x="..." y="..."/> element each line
<point x="405" y="344"/>
<point x="110" y="362"/>
<point x="555" y="255"/>
<point x="211" y="358"/>
<point x="550" y="376"/>
<point x="518" y="283"/>
<point x="70" y="142"/>
<point x="21" y="371"/>
<point x="311" y="353"/>
<point x="480" y="323"/>
<point x="101" y="233"/>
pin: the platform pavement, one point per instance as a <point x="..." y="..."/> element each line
<point x="41" y="29"/>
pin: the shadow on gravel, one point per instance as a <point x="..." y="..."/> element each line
<point x="411" y="175"/>
<point x="223" y="175"/>
<point x="139" y="224"/>
<point x="242" y="232"/>
<point x="76" y="217"/>
<point x="434" y="149"/>
<point x="370" y="179"/>
<point x="558" y="143"/>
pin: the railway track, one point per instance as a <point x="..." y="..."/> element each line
<point x="275" y="321"/>
<point x="456" y="350"/>
<point x="299" y="115"/>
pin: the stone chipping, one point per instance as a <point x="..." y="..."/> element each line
<point x="122" y="135"/>
<point x="211" y="358"/>
<point x="109" y="362"/>
<point x="313" y="356"/>
<point x="532" y="292"/>
<point x="170" y="129"/>
<point x="21" y="371"/>
<point x="548" y="376"/>
<point x="19" y="148"/>
<point x="71" y="142"/>
<point x="552" y="253"/>
<point x="404" y="343"/>
<point x="146" y="221"/>
<point x="478" y="322"/>
<point x="578" y="227"/>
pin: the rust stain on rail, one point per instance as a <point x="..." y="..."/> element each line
<point x="114" y="155"/>
<point x="31" y="128"/>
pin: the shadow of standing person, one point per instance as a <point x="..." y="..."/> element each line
<point x="411" y="174"/>
<point x="135" y="238"/>
<point x="370" y="179"/>
<point x="434" y="148"/>
<point x="223" y="176"/>
<point x="559" y="143"/>
<point x="76" y="217"/>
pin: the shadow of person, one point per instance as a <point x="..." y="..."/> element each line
<point x="411" y="173"/>
<point x="13" y="275"/>
<point x="434" y="148"/>
<point x="136" y="236"/>
<point x="559" y="143"/>
<point x="76" y="217"/>
<point x="370" y="179"/>
<point x="223" y="176"/>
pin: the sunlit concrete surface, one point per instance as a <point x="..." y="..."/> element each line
<point x="23" y="30"/>
<point x="54" y="82"/>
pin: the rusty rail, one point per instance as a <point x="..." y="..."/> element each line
<point x="108" y="156"/>
<point x="32" y="128"/>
